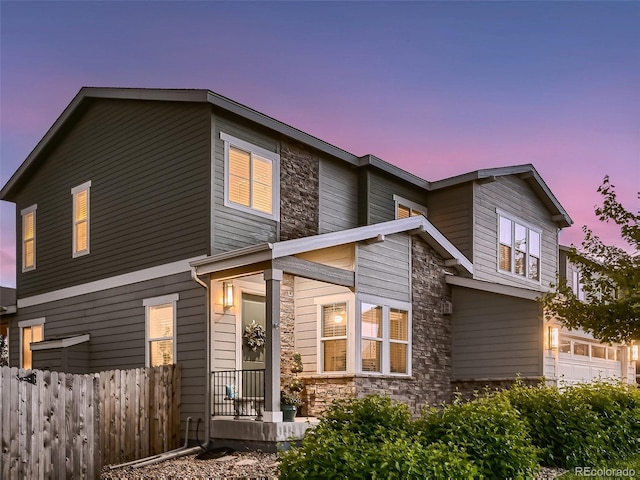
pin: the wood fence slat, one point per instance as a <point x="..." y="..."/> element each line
<point x="54" y="387"/>
<point x="45" y="395"/>
<point x="14" y="404"/>
<point x="22" y="425"/>
<point x="34" y="427"/>
<point x="68" y="423"/>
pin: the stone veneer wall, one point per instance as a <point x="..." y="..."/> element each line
<point x="299" y="192"/>
<point x="287" y="327"/>
<point x="469" y="388"/>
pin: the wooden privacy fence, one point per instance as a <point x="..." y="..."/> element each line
<point x="68" y="426"/>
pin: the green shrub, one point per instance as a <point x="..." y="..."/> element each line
<point x="371" y="438"/>
<point x="585" y="424"/>
<point x="489" y="430"/>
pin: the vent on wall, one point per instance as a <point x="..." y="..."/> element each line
<point x="447" y="307"/>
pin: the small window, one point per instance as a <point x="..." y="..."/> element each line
<point x="29" y="238"/>
<point x="518" y="249"/>
<point x="371" y="338"/>
<point x="565" y="346"/>
<point x="333" y="335"/>
<point x="406" y="208"/>
<point x="160" y="330"/>
<point x="581" y="349"/>
<point x="251" y="178"/>
<point x="80" y="232"/>
<point x="598" y="351"/>
<point x="31" y="331"/>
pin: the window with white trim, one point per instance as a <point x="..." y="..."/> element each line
<point x="31" y="331"/>
<point x="29" y="238"/>
<point x="160" y="327"/>
<point x="406" y="208"/>
<point x="80" y="195"/>
<point x="519" y="248"/>
<point x="577" y="285"/>
<point x="385" y="339"/>
<point x="252" y="178"/>
<point x="333" y="337"/>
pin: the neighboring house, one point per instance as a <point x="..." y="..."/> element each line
<point x="577" y="356"/>
<point x="154" y="226"/>
<point x="7" y="307"/>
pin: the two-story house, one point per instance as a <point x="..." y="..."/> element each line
<point x="165" y="226"/>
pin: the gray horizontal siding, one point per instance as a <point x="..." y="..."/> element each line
<point x="233" y="228"/>
<point x="149" y="164"/>
<point x="451" y="212"/>
<point x="513" y="196"/>
<point x="495" y="336"/>
<point x="383" y="269"/>
<point x="115" y="319"/>
<point x="338" y="197"/>
<point x="381" y="189"/>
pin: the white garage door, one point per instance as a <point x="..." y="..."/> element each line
<point x="584" y="361"/>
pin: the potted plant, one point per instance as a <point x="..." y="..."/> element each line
<point x="291" y="400"/>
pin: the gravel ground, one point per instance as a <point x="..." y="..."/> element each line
<point x="237" y="465"/>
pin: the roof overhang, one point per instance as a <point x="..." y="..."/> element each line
<point x="498" y="288"/>
<point x="526" y="172"/>
<point x="268" y="252"/>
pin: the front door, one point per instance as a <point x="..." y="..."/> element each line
<point x="253" y="310"/>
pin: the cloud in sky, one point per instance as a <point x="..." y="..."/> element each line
<point x="436" y="88"/>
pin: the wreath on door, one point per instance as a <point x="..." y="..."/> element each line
<point x="254" y="335"/>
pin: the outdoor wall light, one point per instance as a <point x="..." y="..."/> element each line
<point x="227" y="294"/>
<point x="633" y="353"/>
<point x="554" y="337"/>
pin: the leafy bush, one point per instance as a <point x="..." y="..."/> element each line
<point x="371" y="438"/>
<point x="489" y="430"/>
<point x="584" y="424"/>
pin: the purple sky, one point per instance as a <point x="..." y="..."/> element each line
<point x="435" y="88"/>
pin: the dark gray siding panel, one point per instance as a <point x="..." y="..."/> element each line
<point x="149" y="164"/>
<point x="495" y="336"/>
<point x="233" y="228"/>
<point x="451" y="211"/>
<point x="382" y="188"/>
<point x="383" y="269"/>
<point x="73" y="359"/>
<point x="115" y="319"/>
<point x="338" y="197"/>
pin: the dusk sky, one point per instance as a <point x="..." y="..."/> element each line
<point x="436" y="88"/>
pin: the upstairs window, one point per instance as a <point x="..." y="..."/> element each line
<point x="160" y="313"/>
<point x="577" y="285"/>
<point x="519" y="249"/>
<point x="29" y="238"/>
<point x="251" y="178"/>
<point x="406" y="208"/>
<point x="80" y="233"/>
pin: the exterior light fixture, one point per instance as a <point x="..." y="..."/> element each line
<point x="554" y="337"/>
<point x="227" y="294"/>
<point x="633" y="353"/>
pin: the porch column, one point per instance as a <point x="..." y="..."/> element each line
<point x="272" y="411"/>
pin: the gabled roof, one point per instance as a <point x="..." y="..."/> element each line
<point x="86" y="94"/>
<point x="417" y="225"/>
<point x="526" y="172"/>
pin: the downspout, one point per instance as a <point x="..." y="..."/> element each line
<point x="207" y="405"/>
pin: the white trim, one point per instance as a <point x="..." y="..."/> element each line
<point x="149" y="302"/>
<point x="143" y="275"/>
<point x="408" y="203"/>
<point x="349" y="300"/>
<point x="418" y="225"/>
<point x="23" y="212"/>
<point x="61" y="343"/>
<point x="275" y="176"/>
<point x="27" y="324"/>
<point x="86" y="186"/>
<point x="171" y="299"/>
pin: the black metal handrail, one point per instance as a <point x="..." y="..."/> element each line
<point x="238" y="393"/>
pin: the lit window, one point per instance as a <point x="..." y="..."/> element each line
<point x="519" y="249"/>
<point x="334" y="337"/>
<point x="385" y="339"/>
<point x="31" y="331"/>
<point x="371" y="338"/>
<point x="406" y="208"/>
<point x="80" y="233"/>
<point x="577" y="285"/>
<point x="29" y="238"/>
<point x="251" y="179"/>
<point x="160" y="330"/>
